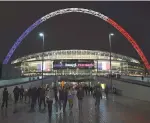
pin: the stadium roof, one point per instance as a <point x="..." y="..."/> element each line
<point x="75" y="54"/>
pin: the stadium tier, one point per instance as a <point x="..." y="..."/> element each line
<point x="77" y="62"/>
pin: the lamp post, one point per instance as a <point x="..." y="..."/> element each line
<point x="110" y="48"/>
<point x="42" y="35"/>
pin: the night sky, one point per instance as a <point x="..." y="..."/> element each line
<point x="74" y="30"/>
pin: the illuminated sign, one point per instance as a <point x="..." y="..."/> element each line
<point x="85" y="65"/>
<point x="70" y="65"/>
<point x="58" y="65"/>
<point x="73" y="65"/>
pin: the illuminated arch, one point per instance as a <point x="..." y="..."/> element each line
<point x="80" y="10"/>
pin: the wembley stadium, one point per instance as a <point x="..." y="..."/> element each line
<point x="77" y="62"/>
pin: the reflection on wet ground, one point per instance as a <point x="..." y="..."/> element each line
<point x="108" y="112"/>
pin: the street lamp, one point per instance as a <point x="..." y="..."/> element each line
<point x="42" y="35"/>
<point x="110" y="36"/>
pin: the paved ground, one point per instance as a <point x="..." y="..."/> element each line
<point x="115" y="110"/>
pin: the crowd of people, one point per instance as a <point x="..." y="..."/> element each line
<point x="59" y="96"/>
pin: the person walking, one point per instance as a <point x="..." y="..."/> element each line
<point x="70" y="98"/>
<point x="38" y="94"/>
<point x="142" y="78"/>
<point x="25" y="95"/>
<point x="16" y="94"/>
<point x="91" y="90"/>
<point x="86" y="90"/>
<point x="42" y="98"/>
<point x="75" y="100"/>
<point x="65" y="99"/>
<point x="16" y="97"/>
<point x="97" y="95"/>
<point x="5" y="98"/>
<point x="106" y="90"/>
<point x="21" y="93"/>
<point x="49" y="99"/>
<point x="33" y="98"/>
<point x="61" y="98"/>
<point x="29" y="95"/>
<point x="55" y="94"/>
<point x="80" y="95"/>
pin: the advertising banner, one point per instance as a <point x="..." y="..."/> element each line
<point x="103" y="66"/>
<point x="73" y="65"/>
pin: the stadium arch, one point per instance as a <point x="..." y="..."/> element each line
<point x="79" y="10"/>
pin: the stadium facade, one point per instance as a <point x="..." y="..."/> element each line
<point x="77" y="62"/>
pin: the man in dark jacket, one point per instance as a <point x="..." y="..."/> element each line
<point x="97" y="95"/>
<point x="16" y="94"/>
<point x="25" y="95"/>
<point x="29" y="94"/>
<point x="5" y="98"/>
<point x="80" y="95"/>
<point x="86" y="89"/>
<point x="21" y="93"/>
<point x="65" y="98"/>
<point x="61" y="97"/>
<point x="55" y="94"/>
<point x="38" y="94"/>
<point x="33" y="97"/>
<point x="91" y="90"/>
<point x="106" y="91"/>
<point x="16" y="97"/>
<point x="42" y="98"/>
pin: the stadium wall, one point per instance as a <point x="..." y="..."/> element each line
<point x="130" y="90"/>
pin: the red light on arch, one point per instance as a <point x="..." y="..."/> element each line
<point x="131" y="40"/>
